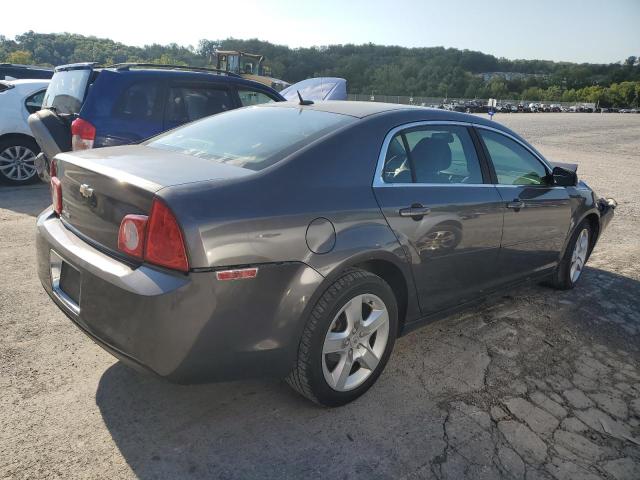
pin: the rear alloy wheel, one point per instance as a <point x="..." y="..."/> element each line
<point x="572" y="264"/>
<point x="17" y="161"/>
<point x="355" y="342"/>
<point x="347" y="340"/>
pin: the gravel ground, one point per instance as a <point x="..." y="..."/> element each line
<point x="536" y="384"/>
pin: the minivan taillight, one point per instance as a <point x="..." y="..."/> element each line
<point x="164" y="245"/>
<point x="56" y="195"/>
<point x="83" y="134"/>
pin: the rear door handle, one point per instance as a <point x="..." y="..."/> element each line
<point x="517" y="204"/>
<point x="415" y="211"/>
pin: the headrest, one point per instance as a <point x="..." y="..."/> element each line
<point x="431" y="154"/>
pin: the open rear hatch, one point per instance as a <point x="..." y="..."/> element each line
<point x="100" y="187"/>
<point x="63" y="100"/>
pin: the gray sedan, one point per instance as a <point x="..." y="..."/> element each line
<point x="300" y="240"/>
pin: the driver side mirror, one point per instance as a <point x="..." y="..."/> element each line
<point x="563" y="177"/>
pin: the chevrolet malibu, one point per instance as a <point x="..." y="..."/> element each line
<point x="299" y="241"/>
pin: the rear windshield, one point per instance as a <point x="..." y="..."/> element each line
<point x="66" y="91"/>
<point x="252" y="137"/>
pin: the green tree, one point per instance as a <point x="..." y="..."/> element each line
<point x="390" y="70"/>
<point x="19" y="56"/>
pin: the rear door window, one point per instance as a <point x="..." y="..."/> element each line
<point x="432" y="155"/>
<point x="444" y="155"/>
<point x="188" y="103"/>
<point x="138" y="101"/>
<point x="253" y="97"/>
<point x="397" y="168"/>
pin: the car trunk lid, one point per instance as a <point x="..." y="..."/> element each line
<point x="100" y="187"/>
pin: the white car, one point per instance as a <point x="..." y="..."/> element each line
<point x="18" y="149"/>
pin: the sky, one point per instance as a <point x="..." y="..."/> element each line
<point x="597" y="31"/>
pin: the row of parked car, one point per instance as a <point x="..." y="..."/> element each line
<point x="85" y="106"/>
<point x="475" y="106"/>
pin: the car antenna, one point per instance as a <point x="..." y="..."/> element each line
<point x="302" y="101"/>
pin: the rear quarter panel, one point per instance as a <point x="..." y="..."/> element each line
<point x="264" y="217"/>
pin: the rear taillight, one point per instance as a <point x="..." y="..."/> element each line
<point x="155" y="239"/>
<point x="83" y="134"/>
<point x="131" y="235"/>
<point x="164" y="243"/>
<point x="56" y="195"/>
<point x="53" y="169"/>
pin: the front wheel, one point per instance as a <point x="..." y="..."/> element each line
<point x="347" y="340"/>
<point x="572" y="264"/>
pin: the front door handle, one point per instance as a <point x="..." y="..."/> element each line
<point x="415" y="211"/>
<point x="517" y="204"/>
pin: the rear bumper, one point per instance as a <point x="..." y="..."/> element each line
<point x="186" y="328"/>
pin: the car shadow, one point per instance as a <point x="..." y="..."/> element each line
<point x="261" y="428"/>
<point x="27" y="199"/>
<point x="250" y="429"/>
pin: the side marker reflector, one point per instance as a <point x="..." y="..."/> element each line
<point x="239" y="274"/>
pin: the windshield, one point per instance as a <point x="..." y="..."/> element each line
<point x="253" y="137"/>
<point x="66" y="91"/>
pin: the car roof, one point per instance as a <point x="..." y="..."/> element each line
<point x="179" y="72"/>
<point x="28" y="81"/>
<point x="185" y="74"/>
<point x="353" y="109"/>
<point x="367" y="109"/>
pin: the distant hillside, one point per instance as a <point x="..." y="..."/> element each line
<point x="430" y="71"/>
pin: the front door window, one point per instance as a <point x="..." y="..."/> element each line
<point x="513" y="164"/>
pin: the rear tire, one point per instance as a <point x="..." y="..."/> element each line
<point x="17" y="161"/>
<point x="347" y="340"/>
<point x="570" y="268"/>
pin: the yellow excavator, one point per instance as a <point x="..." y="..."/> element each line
<point x="248" y="65"/>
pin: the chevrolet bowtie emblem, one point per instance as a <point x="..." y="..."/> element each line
<point x="86" y="191"/>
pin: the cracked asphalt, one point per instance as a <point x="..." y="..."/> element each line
<point x="532" y="384"/>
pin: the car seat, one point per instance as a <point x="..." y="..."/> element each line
<point x="431" y="156"/>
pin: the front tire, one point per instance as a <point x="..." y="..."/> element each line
<point x="572" y="264"/>
<point x="17" y="161"/>
<point x="347" y="340"/>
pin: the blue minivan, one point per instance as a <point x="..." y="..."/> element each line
<point x="89" y="107"/>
